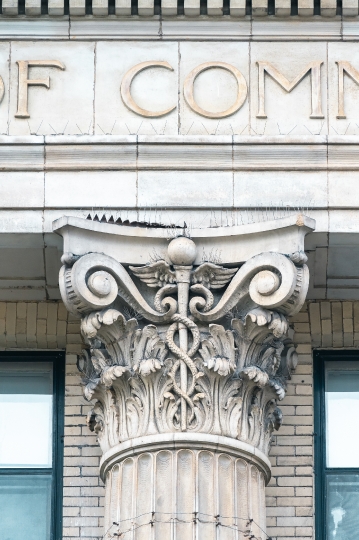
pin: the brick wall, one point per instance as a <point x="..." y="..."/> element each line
<point x="47" y="325"/>
<point x="290" y="492"/>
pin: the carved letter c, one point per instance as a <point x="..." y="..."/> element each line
<point x="126" y="89"/>
<point x="188" y="89"/>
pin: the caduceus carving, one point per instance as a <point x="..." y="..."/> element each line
<point x="182" y="252"/>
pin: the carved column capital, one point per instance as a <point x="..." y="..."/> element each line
<point x="184" y="347"/>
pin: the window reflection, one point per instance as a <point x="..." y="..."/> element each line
<point x="26" y="415"/>
<point x="342" y="418"/>
<point x="343" y="507"/>
<point x="25" y="507"/>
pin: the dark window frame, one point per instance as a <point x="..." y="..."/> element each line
<point x="58" y="360"/>
<point x="321" y="472"/>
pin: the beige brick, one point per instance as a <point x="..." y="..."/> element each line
<point x="304" y="532"/>
<point x="295" y="501"/>
<point x="31" y="317"/>
<point x="300" y="318"/>
<point x="302" y="327"/>
<point x="21" y="340"/>
<point x="280" y="491"/>
<point x="348" y="340"/>
<point x="304" y="390"/>
<point x="74" y="349"/>
<point x="61" y="328"/>
<point x="2" y="310"/>
<point x="304" y="369"/>
<point x="303" y="348"/>
<point x="325" y="310"/>
<point x="282" y="511"/>
<point x="295" y="481"/>
<point x="41" y="327"/>
<point x="337" y="315"/>
<point x="294" y="460"/>
<point x="356" y="316"/>
<point x="348" y="326"/>
<point x="281" y="531"/>
<point x="315" y="324"/>
<point x="71" y="531"/>
<point x="42" y="310"/>
<point x="21" y="326"/>
<point x="304" y="430"/>
<point x="21" y="310"/>
<point x="304" y="511"/>
<point x="62" y="312"/>
<point x="304" y="471"/>
<point x="327" y="337"/>
<point x="71" y="511"/>
<point x="52" y="318"/>
<point x="10" y="319"/>
<point x="347" y="310"/>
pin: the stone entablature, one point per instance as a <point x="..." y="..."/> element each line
<point x="207" y="373"/>
<point x="178" y="88"/>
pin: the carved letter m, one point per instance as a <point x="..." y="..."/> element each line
<point x="313" y="68"/>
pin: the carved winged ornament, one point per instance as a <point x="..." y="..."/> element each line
<point x="209" y="351"/>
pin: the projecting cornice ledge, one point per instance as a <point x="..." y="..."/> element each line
<point x="208" y="28"/>
<point x="59" y="153"/>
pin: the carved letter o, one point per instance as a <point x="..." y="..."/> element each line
<point x="126" y="89"/>
<point x="188" y="89"/>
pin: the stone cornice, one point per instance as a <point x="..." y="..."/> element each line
<point x="206" y="28"/>
<point x="81" y="153"/>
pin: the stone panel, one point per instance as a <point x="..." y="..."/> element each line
<point x="215" y="90"/>
<point x="67" y="106"/>
<point x="342" y="186"/>
<point x="90" y="189"/>
<point x="280" y="189"/>
<point x="288" y="113"/>
<point x="22" y="190"/>
<point x="348" y="52"/>
<point x="4" y="73"/>
<point x="197" y="189"/>
<point x="154" y="89"/>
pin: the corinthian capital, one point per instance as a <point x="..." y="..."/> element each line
<point x="182" y="344"/>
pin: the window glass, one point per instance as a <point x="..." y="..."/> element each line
<point x="342" y="418"/>
<point x="343" y="507"/>
<point x="25" y="507"/>
<point x="26" y="414"/>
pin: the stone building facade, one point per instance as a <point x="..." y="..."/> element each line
<point x="178" y="224"/>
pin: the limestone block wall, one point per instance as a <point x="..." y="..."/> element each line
<point x="47" y="325"/>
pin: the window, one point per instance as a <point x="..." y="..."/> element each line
<point x="31" y="429"/>
<point x="336" y="392"/>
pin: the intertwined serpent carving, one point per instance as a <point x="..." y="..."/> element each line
<point x="185" y="357"/>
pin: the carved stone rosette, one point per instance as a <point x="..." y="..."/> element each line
<point x="185" y="384"/>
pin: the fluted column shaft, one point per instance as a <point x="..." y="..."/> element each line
<point x="203" y="490"/>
